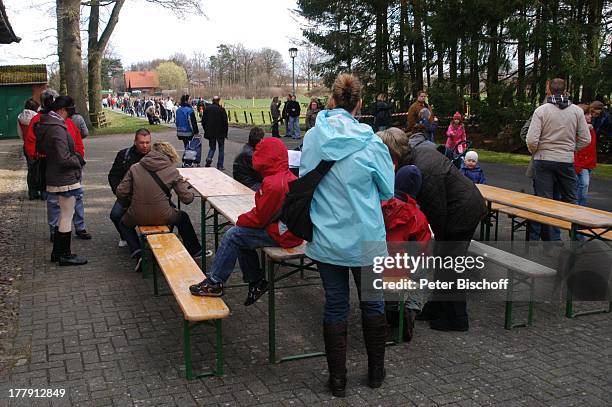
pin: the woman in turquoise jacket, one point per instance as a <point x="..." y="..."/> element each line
<point x="349" y="229"/>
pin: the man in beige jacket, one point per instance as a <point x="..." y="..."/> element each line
<point x="558" y="129"/>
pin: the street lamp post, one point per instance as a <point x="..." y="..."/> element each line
<point x="293" y="54"/>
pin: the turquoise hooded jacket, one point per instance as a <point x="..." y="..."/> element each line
<point x="349" y="228"/>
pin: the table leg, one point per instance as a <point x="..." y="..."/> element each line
<point x="216" y="228"/>
<point x="488" y="221"/>
<point x="203" y="232"/>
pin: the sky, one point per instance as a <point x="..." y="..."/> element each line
<point x="146" y="31"/>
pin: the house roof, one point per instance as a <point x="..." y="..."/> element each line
<point x="7" y="35"/>
<point x="141" y="80"/>
<point x="23" y="74"/>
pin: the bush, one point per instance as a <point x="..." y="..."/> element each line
<point x="445" y="99"/>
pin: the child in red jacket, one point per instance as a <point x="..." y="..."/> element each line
<point x="404" y="222"/>
<point x="585" y="161"/>
<point x="256" y="228"/>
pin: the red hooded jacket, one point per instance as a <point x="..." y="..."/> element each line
<point x="271" y="161"/>
<point x="587" y="157"/>
<point x="29" y="142"/>
<point x="404" y="221"/>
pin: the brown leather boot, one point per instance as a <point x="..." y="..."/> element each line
<point x="375" y="337"/>
<point x="335" y="350"/>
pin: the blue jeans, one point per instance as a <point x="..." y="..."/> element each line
<point x="293" y="127"/>
<point x="239" y="243"/>
<point x="115" y="216"/>
<point x="212" y="147"/>
<point x="337" y="295"/>
<point x="535" y="228"/>
<point x="582" y="186"/>
<point x="551" y="177"/>
<point x="53" y="210"/>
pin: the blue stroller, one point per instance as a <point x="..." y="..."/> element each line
<point x="192" y="156"/>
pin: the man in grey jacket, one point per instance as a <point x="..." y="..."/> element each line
<point x="558" y="129"/>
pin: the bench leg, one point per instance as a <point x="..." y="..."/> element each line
<point x="530" y="310"/>
<point x="496" y="224"/>
<point x="203" y="232"/>
<point x="219" y="347"/>
<point x="155" y="287"/>
<point x="488" y="221"/>
<point x="271" y="311"/>
<point x="187" y="349"/>
<point x="144" y="255"/>
<point x="509" y="295"/>
<point x="400" y="326"/>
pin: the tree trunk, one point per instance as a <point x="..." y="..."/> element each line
<point x="452" y="63"/>
<point x="474" y="69"/>
<point x="403" y="27"/>
<point x="70" y="19"/>
<point x="595" y="10"/>
<point x="60" y="46"/>
<point x="521" y="51"/>
<point x="379" y="47"/>
<point x="418" y="47"/>
<point x="95" y="50"/>
<point x="492" y="66"/>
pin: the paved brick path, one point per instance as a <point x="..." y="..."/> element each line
<point x="98" y="332"/>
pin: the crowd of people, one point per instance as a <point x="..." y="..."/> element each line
<point x="155" y="109"/>
<point x="378" y="185"/>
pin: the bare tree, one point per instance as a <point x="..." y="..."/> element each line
<point x="272" y="61"/>
<point x="307" y="57"/>
<point x="69" y="14"/>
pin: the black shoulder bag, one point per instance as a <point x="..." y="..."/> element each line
<point x="163" y="187"/>
<point x="295" y="212"/>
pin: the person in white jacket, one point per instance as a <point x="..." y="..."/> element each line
<point x="557" y="130"/>
<point x="23" y="121"/>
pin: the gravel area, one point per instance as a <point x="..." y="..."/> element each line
<point x="12" y="195"/>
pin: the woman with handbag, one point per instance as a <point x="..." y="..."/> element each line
<point x="146" y="192"/>
<point x="348" y="225"/>
<point x="63" y="174"/>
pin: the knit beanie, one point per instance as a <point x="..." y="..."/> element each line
<point x="457" y="116"/>
<point x="408" y="180"/>
<point x="471" y="155"/>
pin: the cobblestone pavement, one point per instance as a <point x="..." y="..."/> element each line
<point x="97" y="332"/>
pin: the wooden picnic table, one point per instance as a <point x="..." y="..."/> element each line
<point x="596" y="222"/>
<point x="212" y="182"/>
<point x="580" y="217"/>
<point x="208" y="183"/>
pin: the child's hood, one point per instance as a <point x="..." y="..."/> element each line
<point x="270" y="157"/>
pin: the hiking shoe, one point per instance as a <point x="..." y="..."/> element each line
<point x="256" y="290"/>
<point x="82" y="234"/>
<point x="122" y="243"/>
<point x="207" y="289"/>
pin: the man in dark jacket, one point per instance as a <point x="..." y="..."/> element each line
<point x="123" y="161"/>
<point x="243" y="171"/>
<point x="214" y="122"/>
<point x="293" y="112"/>
<point x="454" y="207"/>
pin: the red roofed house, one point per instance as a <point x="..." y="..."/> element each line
<point x="145" y="81"/>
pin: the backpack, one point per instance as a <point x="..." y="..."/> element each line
<point x="295" y="212"/>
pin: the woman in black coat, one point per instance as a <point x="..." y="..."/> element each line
<point x="63" y="174"/>
<point x="454" y="208"/>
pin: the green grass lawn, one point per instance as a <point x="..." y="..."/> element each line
<point x="602" y="170"/>
<point x="119" y="123"/>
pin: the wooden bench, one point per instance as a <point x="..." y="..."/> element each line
<point x="529" y="217"/>
<point x="143" y="232"/>
<point x="181" y="271"/>
<point x="514" y="265"/>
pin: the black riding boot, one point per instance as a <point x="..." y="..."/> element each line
<point x="335" y="350"/>
<point x="375" y="337"/>
<point x="62" y="253"/>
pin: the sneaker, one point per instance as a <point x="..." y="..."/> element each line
<point x="138" y="267"/>
<point x="82" y="234"/>
<point x="207" y="289"/>
<point x="256" y="290"/>
<point x="122" y="243"/>
<point x="221" y="168"/>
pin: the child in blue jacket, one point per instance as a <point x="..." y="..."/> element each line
<point x="471" y="169"/>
